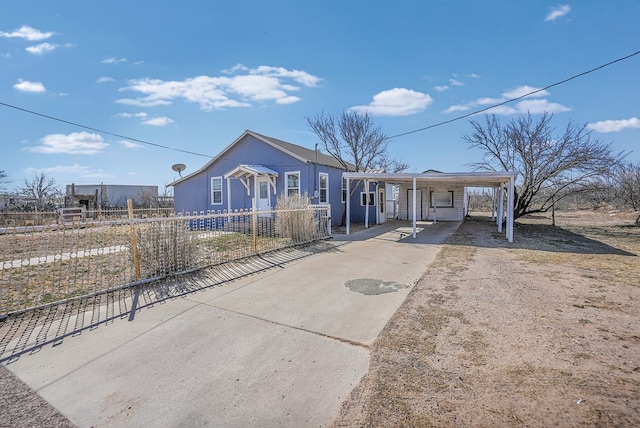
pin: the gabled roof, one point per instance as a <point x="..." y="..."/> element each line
<point x="302" y="153"/>
<point x="298" y="152"/>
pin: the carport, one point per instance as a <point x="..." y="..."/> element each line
<point x="501" y="182"/>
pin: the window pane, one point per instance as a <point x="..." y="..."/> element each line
<point x="216" y="190"/>
<point x="264" y="190"/>
<point x="324" y="178"/>
<point x="442" y="199"/>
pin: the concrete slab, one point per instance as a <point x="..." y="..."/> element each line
<point x="260" y="351"/>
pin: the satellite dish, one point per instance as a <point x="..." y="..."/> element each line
<point x="178" y="167"/>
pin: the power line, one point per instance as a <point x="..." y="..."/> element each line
<point x="79" y="125"/>
<point x="516" y="98"/>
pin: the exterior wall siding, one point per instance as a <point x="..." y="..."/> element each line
<point x="424" y="211"/>
<point x="194" y="193"/>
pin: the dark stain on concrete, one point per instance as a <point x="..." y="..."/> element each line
<point x="373" y="287"/>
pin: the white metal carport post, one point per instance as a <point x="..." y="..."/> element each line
<point x="414" y="206"/>
<point x="348" y="201"/>
<point x="510" y="209"/>
<point x="366" y="204"/>
<point x="500" y="207"/>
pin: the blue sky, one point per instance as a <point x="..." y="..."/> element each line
<point x="193" y="75"/>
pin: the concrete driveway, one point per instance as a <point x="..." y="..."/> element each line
<point x="280" y="348"/>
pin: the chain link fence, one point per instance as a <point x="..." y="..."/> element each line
<point x="62" y="262"/>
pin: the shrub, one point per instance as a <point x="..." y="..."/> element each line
<point x="166" y="247"/>
<point x="294" y="220"/>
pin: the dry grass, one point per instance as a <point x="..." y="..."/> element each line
<point x="541" y="332"/>
<point x="54" y="263"/>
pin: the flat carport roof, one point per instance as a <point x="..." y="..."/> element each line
<point x="496" y="180"/>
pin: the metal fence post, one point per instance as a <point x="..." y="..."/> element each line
<point x="134" y="243"/>
<point x="255" y="224"/>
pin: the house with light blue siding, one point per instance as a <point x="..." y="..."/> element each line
<point x="262" y="167"/>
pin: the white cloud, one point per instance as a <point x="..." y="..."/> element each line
<point x="40" y="48"/>
<point x="105" y="79"/>
<point x="242" y="89"/>
<point x="473" y="75"/>
<point x="113" y="60"/>
<point x="60" y="169"/>
<point x="614" y="125"/>
<point x="456" y="108"/>
<point x="485" y="101"/>
<point x="524" y="90"/>
<point x="26" y="86"/>
<point x="143" y="102"/>
<point x="27" y="33"/>
<point x="441" y="88"/>
<point x="74" y="170"/>
<point x="540" y="106"/>
<point x="396" y="102"/>
<point x="455" y="82"/>
<point x="558" y="12"/>
<point x="537" y="106"/>
<point x="235" y="68"/>
<point x="301" y="77"/>
<point x="158" y="121"/>
<point x="76" y="143"/>
<point x="138" y="115"/>
<point x="130" y="145"/>
<point x="534" y="103"/>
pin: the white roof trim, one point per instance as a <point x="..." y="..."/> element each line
<point x="253" y="170"/>
<point x="469" y="179"/>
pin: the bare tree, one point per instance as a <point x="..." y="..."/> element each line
<point x="43" y="189"/>
<point x="626" y="183"/>
<point x="356" y="143"/>
<point x="550" y="167"/>
<point x="3" y="179"/>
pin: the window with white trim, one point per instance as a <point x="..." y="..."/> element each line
<point x="292" y="183"/>
<point x="363" y="198"/>
<point x="323" y="188"/>
<point x="216" y="190"/>
<point x="263" y="187"/>
<point x="442" y="199"/>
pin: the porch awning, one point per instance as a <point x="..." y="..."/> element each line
<point x="244" y="174"/>
<point x="245" y="171"/>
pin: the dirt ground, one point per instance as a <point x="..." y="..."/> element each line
<point x="541" y="332"/>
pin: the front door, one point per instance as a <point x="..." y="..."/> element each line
<point x="382" y="206"/>
<point x="264" y="196"/>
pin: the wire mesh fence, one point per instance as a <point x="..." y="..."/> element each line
<point x="66" y="261"/>
<point x="10" y="219"/>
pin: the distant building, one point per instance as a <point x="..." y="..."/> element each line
<point x="14" y="201"/>
<point x="97" y="196"/>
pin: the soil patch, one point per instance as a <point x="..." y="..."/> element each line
<point x="541" y="332"/>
